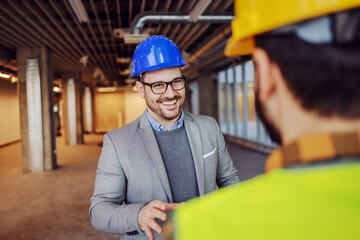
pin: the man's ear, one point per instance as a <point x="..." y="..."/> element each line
<point x="265" y="84"/>
<point x="140" y="88"/>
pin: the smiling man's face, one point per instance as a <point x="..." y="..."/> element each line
<point x="162" y="107"/>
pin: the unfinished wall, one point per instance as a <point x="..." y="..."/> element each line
<point x="134" y="106"/>
<point x="9" y="113"/>
<point x="116" y="109"/>
<point x="108" y="109"/>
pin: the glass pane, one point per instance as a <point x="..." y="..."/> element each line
<point x="239" y="100"/>
<point x="252" y="113"/>
<point x="238" y="74"/>
<point x="230" y="75"/>
<point x="222" y="101"/>
<point x="194" y="97"/>
<point x="240" y="103"/>
<point x="249" y="79"/>
<point x="223" y="112"/>
<point x="231" y="101"/>
<point x="249" y="71"/>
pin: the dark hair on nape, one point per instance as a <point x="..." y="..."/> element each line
<point x="324" y="78"/>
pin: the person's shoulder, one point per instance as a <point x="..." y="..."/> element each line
<point x="202" y="119"/>
<point x="234" y="195"/>
<point x="128" y="128"/>
<point x="269" y="200"/>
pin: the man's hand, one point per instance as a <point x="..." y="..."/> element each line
<point x="154" y="209"/>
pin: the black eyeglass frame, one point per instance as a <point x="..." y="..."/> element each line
<point x="167" y="84"/>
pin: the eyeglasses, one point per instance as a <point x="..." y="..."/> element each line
<point x="160" y="87"/>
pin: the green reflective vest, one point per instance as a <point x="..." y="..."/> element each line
<point x="307" y="203"/>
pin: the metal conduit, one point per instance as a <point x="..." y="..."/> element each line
<point x="142" y="19"/>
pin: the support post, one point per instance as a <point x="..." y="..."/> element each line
<point x="206" y="93"/>
<point x="37" y="120"/>
<point x="73" y="117"/>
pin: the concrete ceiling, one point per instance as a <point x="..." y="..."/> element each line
<point x="53" y="23"/>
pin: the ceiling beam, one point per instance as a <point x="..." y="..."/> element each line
<point x="97" y="58"/>
<point x="37" y="40"/>
<point x="111" y="32"/>
<point x="142" y="9"/>
<point x="130" y="11"/>
<point x="60" y="29"/>
<point x="40" y="28"/>
<point x="118" y="12"/>
<point x="74" y="34"/>
<point x="108" y="58"/>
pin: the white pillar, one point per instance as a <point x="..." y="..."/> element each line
<point x="88" y="126"/>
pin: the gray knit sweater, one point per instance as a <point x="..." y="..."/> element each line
<point x="176" y="153"/>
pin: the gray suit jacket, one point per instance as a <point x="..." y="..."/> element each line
<point x="131" y="172"/>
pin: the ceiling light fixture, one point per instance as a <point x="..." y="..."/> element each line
<point x="126" y="72"/>
<point x="4" y="75"/>
<point x="56" y="89"/>
<point x="106" y="89"/>
<point x="84" y="60"/>
<point x="14" y="79"/>
<point x="134" y="38"/>
<point x="120" y="32"/>
<point x="123" y="60"/>
<point x="99" y="73"/>
<point x="198" y="10"/>
<point x="79" y="10"/>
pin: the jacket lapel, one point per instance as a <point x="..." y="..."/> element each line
<point x="148" y="137"/>
<point x="193" y="134"/>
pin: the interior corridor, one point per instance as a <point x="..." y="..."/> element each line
<point x="54" y="204"/>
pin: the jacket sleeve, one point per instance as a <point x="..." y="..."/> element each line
<point x="226" y="172"/>
<point x="108" y="212"/>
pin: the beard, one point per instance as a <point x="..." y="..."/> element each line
<point x="160" y="112"/>
<point x="170" y="116"/>
<point x="273" y="132"/>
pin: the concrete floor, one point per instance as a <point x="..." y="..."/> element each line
<point x="249" y="163"/>
<point x="54" y="204"/>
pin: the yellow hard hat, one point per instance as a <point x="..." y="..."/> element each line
<point x="253" y="17"/>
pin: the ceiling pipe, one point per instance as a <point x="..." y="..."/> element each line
<point x="146" y="17"/>
<point x="141" y="19"/>
<point x="220" y="37"/>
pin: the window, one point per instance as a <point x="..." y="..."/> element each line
<point x="250" y="98"/>
<point x="222" y="101"/>
<point x="236" y="101"/>
<point x="239" y="101"/>
<point x="230" y="101"/>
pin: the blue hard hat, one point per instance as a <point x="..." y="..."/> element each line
<point x="154" y="53"/>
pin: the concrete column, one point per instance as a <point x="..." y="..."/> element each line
<point x="35" y="74"/>
<point x="93" y="109"/>
<point x="87" y="109"/>
<point x="73" y="117"/>
<point x="207" y="86"/>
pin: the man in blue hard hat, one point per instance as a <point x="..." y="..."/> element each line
<point x="163" y="158"/>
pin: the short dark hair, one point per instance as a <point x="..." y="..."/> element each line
<point x="141" y="77"/>
<point x="324" y="78"/>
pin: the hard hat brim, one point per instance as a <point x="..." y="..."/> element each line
<point x="260" y="16"/>
<point x="235" y="47"/>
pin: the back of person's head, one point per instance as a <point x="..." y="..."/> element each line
<point x="323" y="77"/>
<point x="316" y="45"/>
